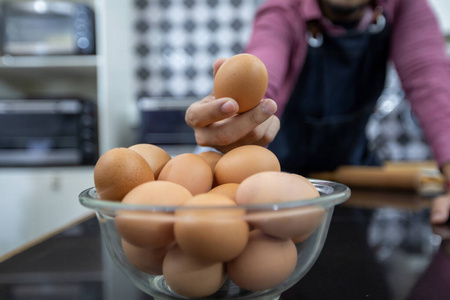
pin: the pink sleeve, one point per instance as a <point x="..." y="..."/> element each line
<point x="276" y="32"/>
<point x="418" y="52"/>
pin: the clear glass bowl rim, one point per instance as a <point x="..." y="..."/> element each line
<point x="333" y="193"/>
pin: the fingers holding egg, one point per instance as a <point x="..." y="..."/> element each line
<point x="217" y="63"/>
<point x="258" y="126"/>
<point x="209" y="110"/>
<point x="240" y="84"/>
<point x="261" y="135"/>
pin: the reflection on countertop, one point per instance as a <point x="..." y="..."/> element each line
<point x="380" y="246"/>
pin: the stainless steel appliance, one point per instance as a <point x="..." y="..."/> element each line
<point x="162" y="121"/>
<point x="47" y="28"/>
<point x="38" y="132"/>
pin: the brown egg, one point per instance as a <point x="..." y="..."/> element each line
<point x="192" y="277"/>
<point x="212" y="157"/>
<point x="155" y="156"/>
<point x="276" y="187"/>
<point x="212" y="234"/>
<point x="118" y="171"/>
<point x="147" y="260"/>
<point x="227" y="189"/>
<point x="151" y="229"/>
<point x="244" y="78"/>
<point x="244" y="161"/>
<point x="295" y="223"/>
<point x="190" y="171"/>
<point x="265" y="263"/>
<point x="302" y="238"/>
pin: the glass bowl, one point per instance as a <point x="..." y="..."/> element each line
<point x="313" y="215"/>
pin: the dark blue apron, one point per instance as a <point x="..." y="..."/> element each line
<point x="323" y="125"/>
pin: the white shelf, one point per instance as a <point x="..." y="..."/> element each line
<point x="61" y="61"/>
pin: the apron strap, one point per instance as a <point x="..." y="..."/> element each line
<point x="314" y="34"/>
<point x="378" y="21"/>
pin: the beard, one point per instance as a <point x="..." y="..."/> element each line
<point x="344" y="10"/>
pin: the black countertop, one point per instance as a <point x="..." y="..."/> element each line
<point x="380" y="245"/>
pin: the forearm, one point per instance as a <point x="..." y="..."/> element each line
<point x="418" y="51"/>
<point x="275" y="39"/>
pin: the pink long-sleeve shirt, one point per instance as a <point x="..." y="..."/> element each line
<point x="417" y="51"/>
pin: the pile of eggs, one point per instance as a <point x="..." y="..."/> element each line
<point x="210" y="236"/>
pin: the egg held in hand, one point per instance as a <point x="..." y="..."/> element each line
<point x="243" y="78"/>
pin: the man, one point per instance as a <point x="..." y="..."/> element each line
<point x="327" y="63"/>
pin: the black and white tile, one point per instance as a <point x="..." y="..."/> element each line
<point x="393" y="130"/>
<point x="176" y="42"/>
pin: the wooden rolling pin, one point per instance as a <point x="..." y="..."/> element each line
<point x="423" y="178"/>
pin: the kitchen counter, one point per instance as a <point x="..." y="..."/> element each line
<point x="380" y="245"/>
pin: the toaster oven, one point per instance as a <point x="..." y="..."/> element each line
<point x="48" y="132"/>
<point x="46" y="28"/>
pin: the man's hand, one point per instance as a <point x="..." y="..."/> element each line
<point x="440" y="209"/>
<point x="217" y="124"/>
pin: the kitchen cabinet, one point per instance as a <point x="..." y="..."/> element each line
<point x="39" y="200"/>
<point x="36" y="202"/>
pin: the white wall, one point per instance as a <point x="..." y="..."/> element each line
<point x="442" y="10"/>
<point x="116" y="104"/>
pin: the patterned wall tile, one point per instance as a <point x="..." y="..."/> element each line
<point x="393" y="130"/>
<point x="176" y="42"/>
